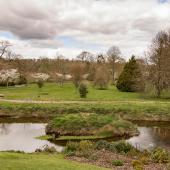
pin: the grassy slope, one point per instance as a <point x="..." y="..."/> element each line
<point x="18" y="161"/>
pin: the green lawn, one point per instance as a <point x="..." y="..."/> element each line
<point x="19" y="161"/>
<point x="51" y="91"/>
<point x="132" y="105"/>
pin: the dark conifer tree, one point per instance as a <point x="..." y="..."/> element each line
<point x="130" y="79"/>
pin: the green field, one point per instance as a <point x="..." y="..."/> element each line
<point x="52" y="91"/>
<point x="66" y="100"/>
<point x="42" y="161"/>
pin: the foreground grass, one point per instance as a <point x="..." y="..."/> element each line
<point x="20" y="161"/>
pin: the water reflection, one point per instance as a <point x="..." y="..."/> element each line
<point x="151" y="137"/>
<point x="21" y="136"/>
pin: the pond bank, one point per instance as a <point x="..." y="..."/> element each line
<point x="151" y="111"/>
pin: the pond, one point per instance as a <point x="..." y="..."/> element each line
<point x="152" y="135"/>
<point x="22" y="136"/>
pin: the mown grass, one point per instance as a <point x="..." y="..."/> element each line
<point x="51" y="91"/>
<point x="40" y="161"/>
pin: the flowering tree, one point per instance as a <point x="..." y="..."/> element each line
<point x="10" y="76"/>
<point x="40" y="76"/>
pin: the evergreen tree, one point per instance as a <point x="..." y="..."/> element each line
<point x="130" y="79"/>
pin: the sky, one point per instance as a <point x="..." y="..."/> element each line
<point x="52" y="27"/>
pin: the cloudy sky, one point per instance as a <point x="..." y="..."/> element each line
<point x="49" y="27"/>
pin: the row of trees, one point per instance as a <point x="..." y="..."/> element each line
<point x="102" y="69"/>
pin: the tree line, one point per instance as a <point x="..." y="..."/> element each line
<point x="136" y="75"/>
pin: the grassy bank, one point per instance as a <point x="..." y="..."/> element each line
<point x="41" y="161"/>
<point x="151" y="110"/>
<point x="90" y="124"/>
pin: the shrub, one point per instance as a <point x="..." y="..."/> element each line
<point x="40" y="83"/>
<point x="160" y="155"/>
<point x="145" y="160"/>
<point x="117" y="163"/>
<point x="83" y="90"/>
<point x="137" y="165"/>
<point x="85" y="145"/>
<point x="102" y="144"/>
<point x="71" y="148"/>
<point x="47" y="148"/>
<point x="122" y="146"/>
<point x="83" y="148"/>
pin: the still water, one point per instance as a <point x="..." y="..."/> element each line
<point x="151" y="137"/>
<point x="22" y="137"/>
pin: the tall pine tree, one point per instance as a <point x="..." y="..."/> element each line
<point x="130" y="79"/>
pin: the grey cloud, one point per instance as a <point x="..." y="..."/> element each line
<point x="27" y="21"/>
<point x="149" y="25"/>
<point x="128" y="23"/>
<point x="52" y="44"/>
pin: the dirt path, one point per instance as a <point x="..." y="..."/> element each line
<point x="80" y="102"/>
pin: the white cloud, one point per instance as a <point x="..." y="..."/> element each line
<point x="129" y="24"/>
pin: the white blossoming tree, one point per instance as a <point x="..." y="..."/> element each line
<point x="10" y="76"/>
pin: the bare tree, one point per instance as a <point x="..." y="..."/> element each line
<point x="114" y="55"/>
<point x="86" y="56"/>
<point x="3" y="47"/>
<point x="101" y="58"/>
<point x="77" y="71"/>
<point x="159" y="60"/>
<point x="102" y="77"/>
